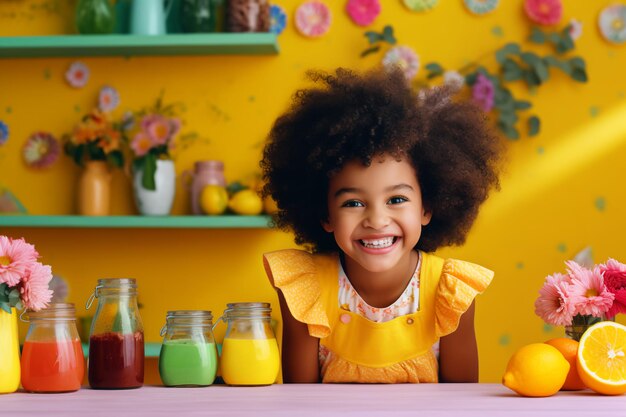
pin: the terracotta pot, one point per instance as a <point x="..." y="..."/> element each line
<point x="94" y="190"/>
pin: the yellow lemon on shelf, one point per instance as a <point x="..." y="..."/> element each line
<point x="269" y="205"/>
<point x="214" y="199"/>
<point x="246" y="202"/>
<point x="536" y="370"/>
<point x="601" y="358"/>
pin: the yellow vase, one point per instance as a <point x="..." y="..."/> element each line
<point x="94" y="190"/>
<point x="9" y="352"/>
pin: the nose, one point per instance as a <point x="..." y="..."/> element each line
<point x="376" y="218"/>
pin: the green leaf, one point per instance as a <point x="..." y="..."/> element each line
<point x="511" y="70"/>
<point x="235" y="187"/>
<point x="434" y="70"/>
<point x="149" y="169"/>
<point x="373" y="37"/>
<point x="14" y="296"/>
<point x="537" y="36"/>
<point x="522" y="105"/>
<point x="370" y="50"/>
<point x="388" y="35"/>
<point x="78" y="154"/>
<point x="508" y="118"/>
<point x="579" y="74"/>
<point x="509" y="131"/>
<point x="557" y="63"/>
<point x="5" y="307"/>
<point x="470" y="78"/>
<point x="531" y="78"/>
<point x="508" y="49"/>
<point x="565" y="44"/>
<point x="578" y="62"/>
<point x="116" y="158"/>
<point x="534" y="125"/>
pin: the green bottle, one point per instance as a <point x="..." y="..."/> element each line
<point x="95" y="17"/>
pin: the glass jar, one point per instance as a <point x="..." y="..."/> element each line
<point x="116" y="343"/>
<point x="52" y="358"/>
<point x="580" y="324"/>
<point x="188" y="354"/>
<point x="249" y="351"/>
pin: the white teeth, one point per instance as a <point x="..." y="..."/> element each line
<point x="378" y="243"/>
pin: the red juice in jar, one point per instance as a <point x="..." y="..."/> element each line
<point x="52" y="366"/>
<point x="116" y="360"/>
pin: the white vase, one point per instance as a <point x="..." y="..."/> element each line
<point x="157" y="202"/>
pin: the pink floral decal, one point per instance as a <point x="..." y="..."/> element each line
<point x="483" y="93"/>
<point x="575" y="29"/>
<point x="41" y="150"/>
<point x="363" y="12"/>
<point x="108" y="99"/>
<point x="402" y="57"/>
<point x="313" y="18"/>
<point x="77" y="75"/>
<point x="544" y="12"/>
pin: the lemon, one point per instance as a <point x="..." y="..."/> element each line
<point x="536" y="370"/>
<point x="213" y="199"/>
<point x="246" y="202"/>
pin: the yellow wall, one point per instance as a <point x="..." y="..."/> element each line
<point x="561" y="191"/>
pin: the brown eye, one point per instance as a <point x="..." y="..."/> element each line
<point x="397" y="200"/>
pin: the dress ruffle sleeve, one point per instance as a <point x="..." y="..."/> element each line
<point x="459" y="284"/>
<point x="294" y="273"/>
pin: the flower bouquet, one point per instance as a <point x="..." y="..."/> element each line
<point x="583" y="296"/>
<point x="95" y="138"/>
<point x="151" y="133"/>
<point x="23" y="280"/>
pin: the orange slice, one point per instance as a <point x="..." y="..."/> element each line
<point x="601" y="359"/>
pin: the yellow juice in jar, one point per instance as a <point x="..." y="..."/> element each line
<point x="249" y="361"/>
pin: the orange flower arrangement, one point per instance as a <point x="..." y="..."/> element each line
<point x="95" y="138"/>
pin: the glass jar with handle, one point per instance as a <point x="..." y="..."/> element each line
<point x="188" y="354"/>
<point x="52" y="358"/>
<point x="116" y="341"/>
<point x="249" y="350"/>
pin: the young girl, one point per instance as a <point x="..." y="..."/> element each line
<point x="371" y="178"/>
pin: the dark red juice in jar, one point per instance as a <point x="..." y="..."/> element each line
<point x="116" y="360"/>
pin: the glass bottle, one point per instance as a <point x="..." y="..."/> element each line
<point x="116" y="342"/>
<point x="95" y="17"/>
<point x="202" y="15"/>
<point x="52" y="358"/>
<point x="249" y="351"/>
<point x="188" y="354"/>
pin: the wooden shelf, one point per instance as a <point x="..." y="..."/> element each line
<point x="158" y="222"/>
<point x="138" y="45"/>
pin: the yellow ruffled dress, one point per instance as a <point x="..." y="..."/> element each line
<point x="364" y="351"/>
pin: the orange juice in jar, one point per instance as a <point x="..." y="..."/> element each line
<point x="249" y="350"/>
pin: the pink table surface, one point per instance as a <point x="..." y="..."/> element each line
<point x="482" y="400"/>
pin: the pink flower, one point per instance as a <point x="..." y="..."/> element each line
<point x="614" y="274"/>
<point x="483" y="92"/>
<point x="575" y="29"/>
<point x="313" y="18"/>
<point x="16" y="256"/>
<point x="34" y="288"/>
<point x="141" y="144"/>
<point x="587" y="290"/>
<point x="108" y="99"/>
<point x="41" y="150"/>
<point x="77" y="75"/>
<point x="363" y="12"/>
<point x="544" y="12"/>
<point x="404" y="58"/>
<point x="553" y="304"/>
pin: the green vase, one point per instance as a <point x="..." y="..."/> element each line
<point x="95" y="17"/>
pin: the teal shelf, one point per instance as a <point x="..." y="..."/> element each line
<point x="138" y="45"/>
<point x="157" y="222"/>
<point x="151" y="350"/>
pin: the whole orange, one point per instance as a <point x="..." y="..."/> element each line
<point x="569" y="349"/>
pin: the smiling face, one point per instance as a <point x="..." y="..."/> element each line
<point x="376" y="214"/>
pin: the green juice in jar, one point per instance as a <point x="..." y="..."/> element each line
<point x="187" y="362"/>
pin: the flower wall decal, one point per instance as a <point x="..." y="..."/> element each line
<point x="278" y="19"/>
<point x="363" y="12"/>
<point x="544" y="12"/>
<point x="612" y="23"/>
<point x="420" y="5"/>
<point x="404" y="58"/>
<point x="108" y="99"/>
<point x="481" y="6"/>
<point x="41" y="150"/>
<point x="313" y="19"/>
<point x="77" y="75"/>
